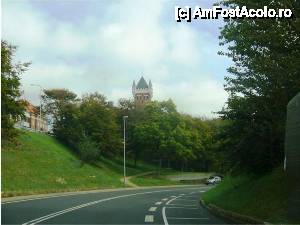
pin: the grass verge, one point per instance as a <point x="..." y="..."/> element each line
<point x="263" y="197"/>
<point x="153" y="180"/>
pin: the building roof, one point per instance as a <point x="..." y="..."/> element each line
<point x="142" y="84"/>
<point x="29" y="107"/>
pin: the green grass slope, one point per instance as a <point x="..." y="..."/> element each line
<point x="260" y="197"/>
<point x="40" y="164"/>
<point x="153" y="180"/>
<point x="131" y="170"/>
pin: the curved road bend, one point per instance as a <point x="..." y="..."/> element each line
<point x="168" y="205"/>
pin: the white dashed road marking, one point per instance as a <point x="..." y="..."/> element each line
<point x="165" y="199"/>
<point x="152" y="209"/>
<point x="149" y="218"/>
<point x="158" y="203"/>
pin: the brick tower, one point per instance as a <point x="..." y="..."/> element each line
<point x="142" y="92"/>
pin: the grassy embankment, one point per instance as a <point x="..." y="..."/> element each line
<point x="260" y="197"/>
<point x="153" y="180"/>
<point x="171" y="177"/>
<point x="40" y="164"/>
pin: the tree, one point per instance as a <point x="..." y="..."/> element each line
<point x="98" y="120"/>
<point x="264" y="77"/>
<point x="89" y="122"/>
<point x="55" y="99"/>
<point x="12" y="108"/>
<point x="61" y="105"/>
<point x="88" y="150"/>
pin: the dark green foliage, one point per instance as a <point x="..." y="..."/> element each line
<point x="264" y="77"/>
<point x="161" y="135"/>
<point x="98" y="120"/>
<point x="61" y="105"/>
<point x="12" y="108"/>
<point x="156" y="134"/>
<point x="89" y="122"/>
<point x="88" y="150"/>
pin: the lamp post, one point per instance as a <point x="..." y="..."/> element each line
<point x="41" y="89"/>
<point x="124" y="126"/>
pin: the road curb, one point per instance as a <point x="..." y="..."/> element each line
<point x="232" y="216"/>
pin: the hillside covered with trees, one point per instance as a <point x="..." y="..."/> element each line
<point x="157" y="133"/>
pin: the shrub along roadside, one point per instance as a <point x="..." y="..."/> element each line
<point x="262" y="197"/>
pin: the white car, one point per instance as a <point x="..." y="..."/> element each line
<point x="213" y="180"/>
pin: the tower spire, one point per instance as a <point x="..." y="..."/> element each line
<point x="142" y="92"/>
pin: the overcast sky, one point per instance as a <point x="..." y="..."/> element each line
<point x="98" y="45"/>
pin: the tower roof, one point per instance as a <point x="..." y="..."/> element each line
<point x="142" y="84"/>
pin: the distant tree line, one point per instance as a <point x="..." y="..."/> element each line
<point x="157" y="133"/>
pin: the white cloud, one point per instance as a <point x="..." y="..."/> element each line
<point x="69" y="41"/>
<point x="198" y="98"/>
<point x="184" y="45"/>
<point x="136" y="37"/>
<point x="23" y="28"/>
<point x="109" y="49"/>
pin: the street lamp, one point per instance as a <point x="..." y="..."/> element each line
<point x="41" y="90"/>
<point x="124" y="126"/>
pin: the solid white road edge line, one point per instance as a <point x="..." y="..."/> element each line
<point x="152" y="209"/>
<point x="149" y="218"/>
<point x="37" y="198"/>
<point x="172" y="199"/>
<point x="164" y="216"/>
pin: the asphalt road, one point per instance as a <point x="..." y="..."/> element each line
<point x="169" y="205"/>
